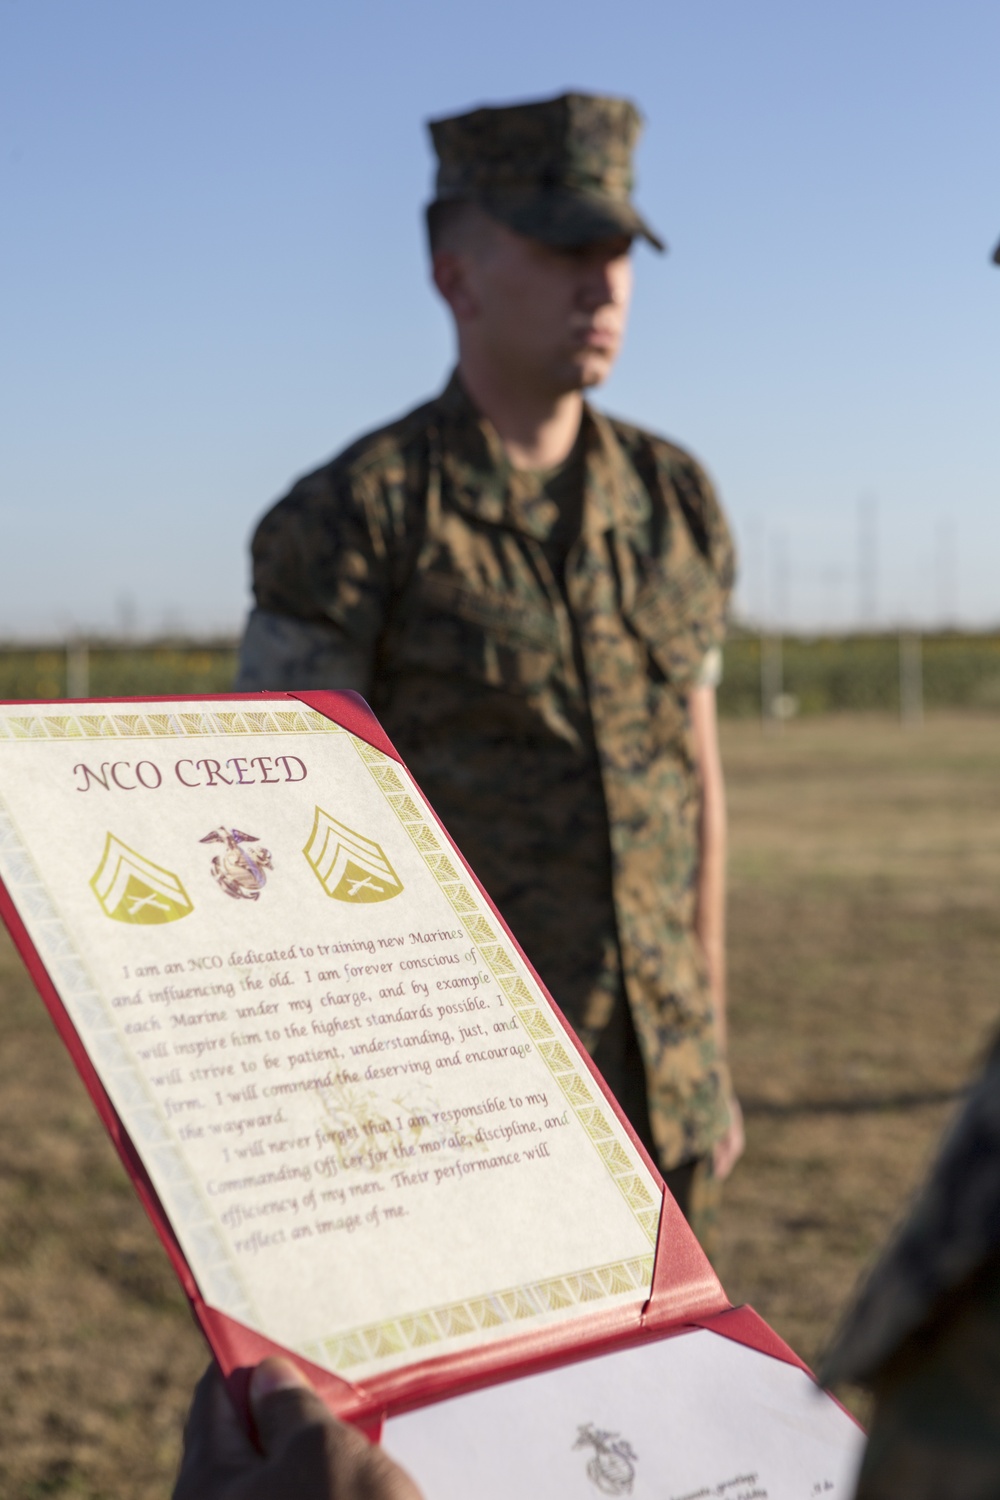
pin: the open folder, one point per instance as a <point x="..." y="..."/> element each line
<point x="362" y="1129"/>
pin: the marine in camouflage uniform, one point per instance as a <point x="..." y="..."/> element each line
<point x="530" y="641"/>
<point x="924" y="1334"/>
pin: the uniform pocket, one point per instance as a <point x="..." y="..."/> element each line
<point x="501" y="639"/>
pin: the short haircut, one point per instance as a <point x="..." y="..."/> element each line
<point x="449" y="222"/>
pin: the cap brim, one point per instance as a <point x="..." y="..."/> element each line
<point x="566" y="219"/>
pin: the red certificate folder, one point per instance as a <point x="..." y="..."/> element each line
<point x="115" y="751"/>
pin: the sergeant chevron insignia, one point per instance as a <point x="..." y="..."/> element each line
<point x="132" y="888"/>
<point x="347" y="865"/>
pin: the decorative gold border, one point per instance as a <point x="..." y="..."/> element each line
<point x="481" y="1314"/>
<point x="477" y="1315"/>
<point x="166" y="723"/>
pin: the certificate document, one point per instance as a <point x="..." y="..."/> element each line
<point x="361" y="1127"/>
<point x="371" y="1135"/>
<point x="694" y="1418"/>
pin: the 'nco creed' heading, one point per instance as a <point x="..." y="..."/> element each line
<point x="241" y="770"/>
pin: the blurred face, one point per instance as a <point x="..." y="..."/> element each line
<point x="551" y="319"/>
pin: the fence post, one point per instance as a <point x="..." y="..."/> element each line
<point x="911" y="679"/>
<point x="772" y="674"/>
<point x="77" y="670"/>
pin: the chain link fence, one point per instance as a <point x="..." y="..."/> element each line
<point x="778" y="677"/>
<point x="83" y="669"/>
<point x="770" y="676"/>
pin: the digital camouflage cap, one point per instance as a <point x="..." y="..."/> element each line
<point x="558" y="170"/>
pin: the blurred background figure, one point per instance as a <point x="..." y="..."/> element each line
<point x="925" y="1333"/>
<point x="533" y="598"/>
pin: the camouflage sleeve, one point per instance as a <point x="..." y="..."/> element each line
<point x="327" y="565"/>
<point x="935" y="1430"/>
<point x="705" y="518"/>
<point x="689" y="611"/>
<point x="952" y="1230"/>
<point x="666" y="468"/>
<point x="281" y="654"/>
<point x="708" y="526"/>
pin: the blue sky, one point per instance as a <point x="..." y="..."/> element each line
<point x="214" y="276"/>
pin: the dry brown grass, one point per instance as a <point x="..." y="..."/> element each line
<point x="864" y="948"/>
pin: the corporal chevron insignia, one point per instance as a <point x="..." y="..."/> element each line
<point x="348" y="866"/>
<point x="131" y="888"/>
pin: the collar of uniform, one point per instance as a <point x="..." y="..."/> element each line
<point x="483" y="482"/>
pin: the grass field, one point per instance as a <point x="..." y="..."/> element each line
<point x="864" y="954"/>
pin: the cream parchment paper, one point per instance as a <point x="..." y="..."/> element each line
<point x="366" y="1126"/>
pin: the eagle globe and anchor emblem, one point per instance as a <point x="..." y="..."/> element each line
<point x="612" y="1467"/>
<point x="240" y="868"/>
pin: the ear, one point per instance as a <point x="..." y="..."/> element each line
<point x="450" y="271"/>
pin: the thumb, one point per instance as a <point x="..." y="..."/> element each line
<point x="283" y="1403"/>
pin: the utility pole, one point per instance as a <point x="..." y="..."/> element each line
<point x="772" y="662"/>
<point x="911" y="679"/>
<point x="77" y="670"/>
<point x="772" y="679"/>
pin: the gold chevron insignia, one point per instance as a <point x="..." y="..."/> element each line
<point x="348" y="866"/>
<point x="131" y="888"/>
